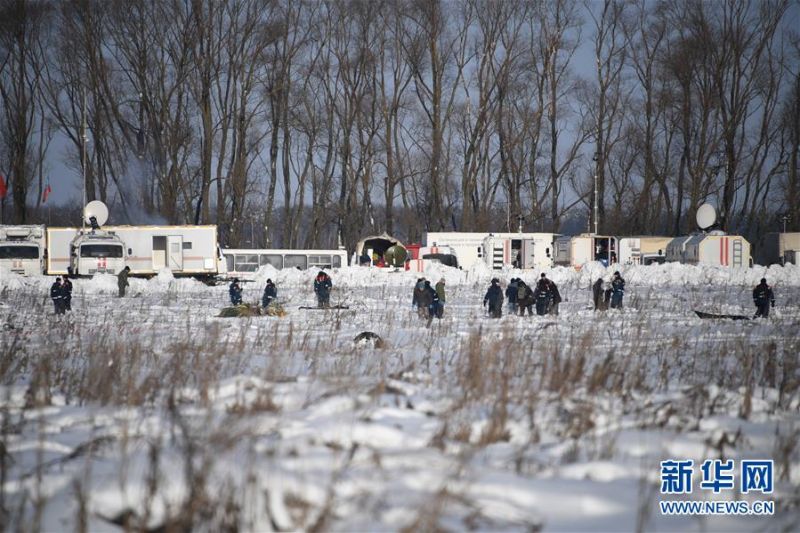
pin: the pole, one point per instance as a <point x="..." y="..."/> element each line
<point x="595" y="201"/>
<point x="83" y="155"/>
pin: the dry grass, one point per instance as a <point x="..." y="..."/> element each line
<point x="503" y="378"/>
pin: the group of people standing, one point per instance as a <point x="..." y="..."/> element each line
<point x="61" y="294"/>
<point x="610" y="297"/>
<point x="429" y="301"/>
<point x="544" y="296"/>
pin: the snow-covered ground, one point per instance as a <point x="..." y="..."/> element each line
<point x="150" y="411"/>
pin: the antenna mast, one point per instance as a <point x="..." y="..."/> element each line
<point x="83" y="153"/>
<point x="596" y="159"/>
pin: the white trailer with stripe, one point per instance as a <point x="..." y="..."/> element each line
<point x="535" y="250"/>
<point x="586" y="248"/>
<point x="185" y="250"/>
<point x="469" y="247"/>
<point x="716" y="248"/>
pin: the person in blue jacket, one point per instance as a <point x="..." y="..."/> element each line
<point x="322" y="288"/>
<point x="511" y="295"/>
<point x="270" y="293"/>
<point x="235" y="292"/>
<point x="617" y="291"/>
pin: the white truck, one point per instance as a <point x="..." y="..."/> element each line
<point x="22" y="249"/>
<point x="84" y="252"/>
<point x="185" y="250"/>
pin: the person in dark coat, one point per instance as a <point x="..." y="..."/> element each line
<point x="322" y="288"/>
<point x="617" y="290"/>
<point x="597" y="295"/>
<point x="511" y="295"/>
<point x="235" y="292"/>
<point x="494" y="297"/>
<point x="425" y="300"/>
<point x="66" y="291"/>
<point x="525" y="299"/>
<point x="270" y="293"/>
<point x="762" y="298"/>
<point x="418" y="288"/>
<point x="57" y="295"/>
<point x="122" y="280"/>
<point x="432" y="297"/>
<point x="555" y="298"/>
<point x="542" y="296"/>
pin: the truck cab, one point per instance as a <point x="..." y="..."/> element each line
<point x="96" y="252"/>
<point x="22" y="249"/>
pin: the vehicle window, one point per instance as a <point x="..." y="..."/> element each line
<point x="101" y="250"/>
<point x="246" y="262"/>
<point x="337" y="261"/>
<point x="275" y="260"/>
<point x="319" y="261"/>
<point x="295" y="261"/>
<point x="19" y="252"/>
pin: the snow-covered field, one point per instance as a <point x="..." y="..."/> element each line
<point x="151" y="412"/>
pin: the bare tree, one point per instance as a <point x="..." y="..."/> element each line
<point x="21" y="57"/>
<point x="436" y="51"/>
<point x="740" y="53"/>
<point x="646" y="35"/>
<point x="608" y="95"/>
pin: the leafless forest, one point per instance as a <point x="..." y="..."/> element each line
<point x="316" y="118"/>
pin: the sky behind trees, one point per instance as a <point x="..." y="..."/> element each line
<point x="316" y="118"/>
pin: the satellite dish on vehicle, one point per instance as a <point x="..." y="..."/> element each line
<point x="706" y="216"/>
<point x="95" y="213"/>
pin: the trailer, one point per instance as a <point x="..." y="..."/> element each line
<point x="586" y="248"/>
<point x="185" y="250"/>
<point x="643" y="250"/>
<point x="676" y="249"/>
<point x="778" y="248"/>
<point x="244" y="263"/>
<point x="469" y="246"/>
<point x="717" y="248"/>
<point x="22" y="249"/>
<point x="535" y="250"/>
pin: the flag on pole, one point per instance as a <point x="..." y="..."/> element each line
<point x="3" y="187"/>
<point x="46" y="193"/>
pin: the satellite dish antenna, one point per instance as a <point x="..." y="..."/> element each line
<point x="95" y="213"/>
<point x="706" y="216"/>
